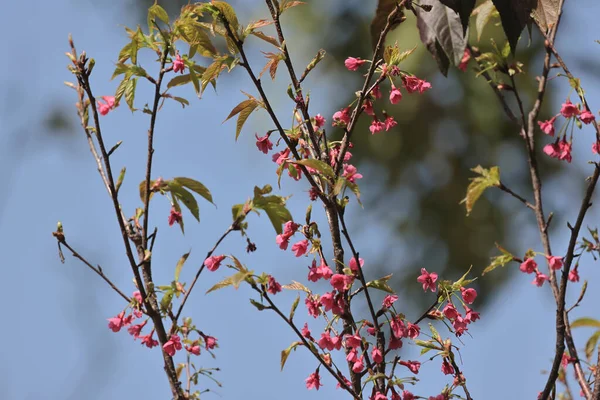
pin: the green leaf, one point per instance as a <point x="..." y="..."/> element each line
<point x="313" y="63"/>
<point x="381" y="284"/>
<point x="266" y="38"/>
<point x="499" y="261"/>
<point x="258" y="305"/>
<point x="130" y="93"/>
<point x="484" y="12"/>
<point x="244" y="109"/>
<point x="489" y="178"/>
<point x="294" y="306"/>
<point x="229" y="14"/>
<point x="165" y="302"/>
<point x="224" y="283"/>
<point x="156" y="11"/>
<point x="285" y="353"/>
<point x="181" y="101"/>
<point x="238" y="278"/>
<point x="434" y="332"/>
<point x="120" y="69"/>
<point x="186" y="198"/>
<point x="590" y="345"/>
<point x="319" y="165"/>
<point x="121" y="90"/>
<point x="195" y="186"/>
<point x="278" y="214"/>
<point x="585" y="322"/>
<point x="120" y="180"/>
<point x="430" y="344"/>
<point x="179" y="80"/>
<point x="296" y="286"/>
<point x="373" y="377"/>
<point x="179" y="265"/>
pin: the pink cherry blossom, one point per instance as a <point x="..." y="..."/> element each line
<point x="547" y="126"/>
<point x="174" y="216"/>
<point x="135" y="330"/>
<point x="468" y="295"/>
<point x="300" y="248"/>
<point x="574" y="275"/>
<point x="306" y="331"/>
<point x="552" y="150"/>
<point x="395" y="343"/>
<point x="263" y="143"/>
<point x="148" y="341"/>
<point x="195" y="349"/>
<point x="178" y="65"/>
<point x="376" y="92"/>
<point x="428" y="280"/>
<point x="528" y="266"/>
<point x="104" y="108"/>
<point x="460" y="325"/>
<point x="328" y="300"/>
<point x="210" y="342"/>
<point x="447" y="369"/>
<point x="213" y="262"/>
<point x="116" y="323"/>
<point x="539" y="279"/>
<point x="564" y="148"/>
<point x="398" y="328"/>
<point x="172" y="345"/>
<point x="450" y="311"/>
<point x="586" y="117"/>
<point x="413" y="330"/>
<point x="342" y="117"/>
<point x="352" y="264"/>
<point x="408" y="395"/>
<point x="351" y="173"/>
<point x="569" y="109"/>
<point x="274" y="286"/>
<point x="312" y="306"/>
<point x="413" y="84"/>
<point x="353" y="341"/>
<point x="352" y="355"/>
<point x="388" y="300"/>
<point x="379" y="396"/>
<point x="395" y="95"/>
<point x="389" y="122"/>
<point x="341" y="282"/>
<point x="376" y="126"/>
<point x="465" y="60"/>
<point x="596" y="148"/>
<point x="555" y="262"/>
<point x="376" y="355"/>
<point x="368" y="108"/>
<point x="313" y="381"/>
<point x="358" y="365"/>
<point x="280" y="157"/>
<point x="319" y="121"/>
<point x="471" y="316"/>
<point x="353" y="63"/>
<point x="413" y="366"/>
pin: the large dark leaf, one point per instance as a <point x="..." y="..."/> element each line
<point x="464" y="8"/>
<point x="514" y="15"/>
<point x="441" y="31"/>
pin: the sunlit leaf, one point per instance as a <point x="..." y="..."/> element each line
<point x="488" y="178"/>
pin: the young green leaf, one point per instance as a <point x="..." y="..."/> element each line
<point x="319" y="165"/>
<point x="488" y="178"/>
<point x="130" y="93"/>
<point x="195" y="186"/>
<point x="179" y="265"/>
<point x="186" y="198"/>
<point x="285" y="353"/>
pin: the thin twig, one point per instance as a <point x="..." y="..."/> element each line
<point x="516" y="196"/>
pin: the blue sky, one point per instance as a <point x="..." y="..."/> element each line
<point x="56" y="344"/>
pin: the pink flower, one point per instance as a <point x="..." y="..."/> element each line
<point x="263" y="143"/>
<point x="274" y="286"/>
<point x="379" y="396"/>
<point x="569" y="109"/>
<point x="460" y="325"/>
<point x="351" y="173"/>
<point x="465" y="60"/>
<point x="471" y="316"/>
<point x="376" y="355"/>
<point x="395" y="95"/>
<point x="413" y="330"/>
<point x="319" y="121"/>
<point x="178" y="65"/>
<point x="135" y="330"/>
<point x="353" y="341"/>
<point x="450" y="312"/>
<point x="413" y="366"/>
<point x="282" y="241"/>
<point x="300" y="248"/>
<point x="104" y="108"/>
<point x="148" y="341"/>
<point x="280" y="157"/>
<point x="408" y="395"/>
<point x="210" y="342"/>
<point x="213" y="262"/>
<point x="389" y="300"/>
<point x="137" y="296"/>
<point x="468" y="295"/>
<point x="395" y="343"/>
<point x="328" y="300"/>
<point x="368" y="108"/>
<point x="376" y="126"/>
<point x="306" y="331"/>
<point x="353" y="63"/>
<point x="195" y="350"/>
<point x="574" y="275"/>
<point x="116" y="323"/>
<point x="547" y="126"/>
<point x="396" y="396"/>
<point x="313" y="381"/>
<point x="552" y="150"/>
<point x="555" y="262"/>
<point x="539" y="279"/>
<point x="596" y="148"/>
<point x="352" y="264"/>
<point x="413" y="84"/>
<point x="447" y="369"/>
<point x="376" y="92"/>
<point x="341" y="282"/>
<point x="398" y="328"/>
<point x="586" y="117"/>
<point x="428" y="280"/>
<point x="358" y="365"/>
<point x="528" y="266"/>
<point x="564" y="148"/>
<point x="342" y="117"/>
<point x="172" y="345"/>
<point x="324" y="271"/>
<point x="174" y="216"/>
<point x="312" y="306"/>
<point x="390" y="122"/>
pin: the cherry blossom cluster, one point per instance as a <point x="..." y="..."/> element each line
<point x="555" y="263"/>
<point x="574" y="115"/>
<point x="121" y="320"/>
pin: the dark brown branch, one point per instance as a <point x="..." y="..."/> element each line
<point x="516" y="196"/>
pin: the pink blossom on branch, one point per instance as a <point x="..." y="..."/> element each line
<point x="413" y="366"/>
<point x="428" y="280"/>
<point x="390" y="122"/>
<point x="353" y="63"/>
<point x="539" y="279"/>
<point x="172" y="345"/>
<point x="148" y="341"/>
<point x="414" y="84"/>
<point x="351" y="173"/>
<point x="554" y="262"/>
<point x="104" y="108"/>
<point x="574" y="275"/>
<point x="174" y="217"/>
<point x="213" y="262"/>
<point x="450" y="311"/>
<point x="342" y="117"/>
<point x="464" y="62"/>
<point x="263" y="143"/>
<point x="547" y="126"/>
<point x="210" y="342"/>
<point x="274" y="286"/>
<point x="389" y="300"/>
<point x="178" y="65"/>
<point x="319" y="121"/>
<point x="569" y="109"/>
<point x="376" y="126"/>
<point x="528" y="266"/>
<point x="116" y="323"/>
<point x="300" y="248"/>
<point x="468" y="295"/>
<point x="313" y="381"/>
<point x="586" y="117"/>
<point x="395" y="95"/>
